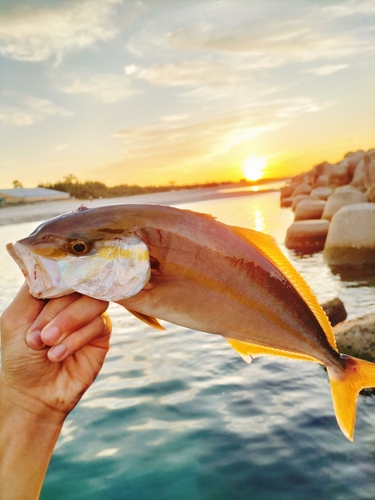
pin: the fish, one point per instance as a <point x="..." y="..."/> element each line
<point x="187" y="268"/>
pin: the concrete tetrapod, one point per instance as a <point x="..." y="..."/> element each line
<point x="307" y="235"/>
<point x="351" y="236"/>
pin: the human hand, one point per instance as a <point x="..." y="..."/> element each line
<point x="52" y="351"/>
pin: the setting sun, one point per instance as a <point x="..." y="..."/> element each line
<point x="254" y="167"/>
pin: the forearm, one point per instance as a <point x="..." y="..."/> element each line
<point x="28" y="434"/>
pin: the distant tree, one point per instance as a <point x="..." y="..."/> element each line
<point x="94" y="189"/>
<point x="17" y="184"/>
<point x="70" y="179"/>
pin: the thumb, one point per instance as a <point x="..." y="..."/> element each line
<point x="21" y="313"/>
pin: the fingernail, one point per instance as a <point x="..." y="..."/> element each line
<point x="51" y="334"/>
<point x="34" y="340"/>
<point x="57" y="353"/>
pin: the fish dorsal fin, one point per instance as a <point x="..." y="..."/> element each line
<point x="268" y="247"/>
<point x="248" y="351"/>
<point x="200" y="214"/>
<point x="149" y="320"/>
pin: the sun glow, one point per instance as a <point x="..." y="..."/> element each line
<point x="254" y="166"/>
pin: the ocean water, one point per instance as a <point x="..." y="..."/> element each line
<point x="178" y="415"/>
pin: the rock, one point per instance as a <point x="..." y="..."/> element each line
<point x="355" y="156"/>
<point x="302" y="189"/>
<point x="370" y="193"/>
<point x="321" y="193"/>
<point x="286" y="202"/>
<point x="307" y="236"/>
<point x="358" y="180"/>
<point x="297" y="199"/>
<point x="304" y="178"/>
<point x="335" y="310"/>
<point x="357" y="337"/>
<point x="322" y="180"/>
<point x="318" y="171"/>
<point x="309" y="209"/>
<point x="369" y="171"/>
<point x="351" y="236"/>
<point x="287" y="191"/>
<point x="342" y="196"/>
<point x="352" y="159"/>
<point x="339" y="175"/>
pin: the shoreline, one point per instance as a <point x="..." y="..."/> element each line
<point x="43" y="210"/>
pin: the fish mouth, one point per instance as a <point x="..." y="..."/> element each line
<point x="42" y="275"/>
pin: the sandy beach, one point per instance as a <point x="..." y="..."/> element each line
<point x="46" y="209"/>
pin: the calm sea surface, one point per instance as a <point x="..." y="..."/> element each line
<point x="179" y="415"/>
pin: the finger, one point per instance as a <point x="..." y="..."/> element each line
<point x="34" y="340"/>
<point x="99" y="328"/>
<point x="50" y="311"/>
<point x="74" y="317"/>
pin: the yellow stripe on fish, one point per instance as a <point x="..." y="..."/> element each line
<point x="113" y="252"/>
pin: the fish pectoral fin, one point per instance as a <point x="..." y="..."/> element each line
<point x="149" y="320"/>
<point x="248" y="351"/>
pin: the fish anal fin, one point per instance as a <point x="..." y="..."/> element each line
<point x="149" y="320"/>
<point x="345" y="388"/>
<point x="268" y="246"/>
<point x="246" y="350"/>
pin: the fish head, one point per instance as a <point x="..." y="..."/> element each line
<point x="78" y="254"/>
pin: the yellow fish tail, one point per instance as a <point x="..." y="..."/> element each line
<point x="345" y="388"/>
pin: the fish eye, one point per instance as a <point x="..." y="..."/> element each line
<point x="79" y="247"/>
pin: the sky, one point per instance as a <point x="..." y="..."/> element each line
<point x="157" y="92"/>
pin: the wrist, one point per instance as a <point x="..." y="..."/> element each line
<point x="20" y="404"/>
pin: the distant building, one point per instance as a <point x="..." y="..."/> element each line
<point x="22" y="195"/>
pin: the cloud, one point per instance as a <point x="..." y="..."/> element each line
<point x="175" y="118"/>
<point x="351" y="8"/>
<point x="107" y="88"/>
<point x="62" y="147"/>
<point x="183" y="145"/>
<point x="266" y="34"/>
<point x="25" y="110"/>
<point x="206" y="79"/>
<point x="227" y="53"/>
<point x="15" y="117"/>
<point x="190" y="72"/>
<point x="326" y="70"/>
<point x="38" y="34"/>
<point x="285" y="108"/>
<point x="173" y="145"/>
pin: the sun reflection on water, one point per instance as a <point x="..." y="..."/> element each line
<point x="259" y="222"/>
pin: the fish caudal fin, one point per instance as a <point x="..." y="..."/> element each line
<point x="345" y="388"/>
